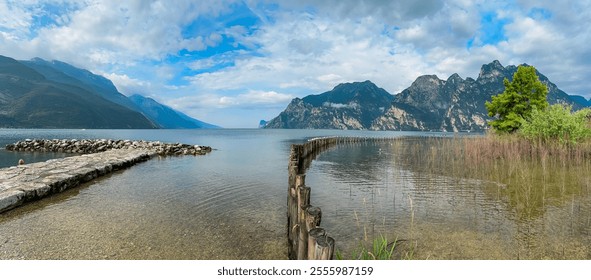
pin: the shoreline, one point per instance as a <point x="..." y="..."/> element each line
<point x="30" y="182"/>
<point x="90" y="146"/>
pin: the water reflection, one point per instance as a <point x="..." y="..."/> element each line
<point x="389" y="189"/>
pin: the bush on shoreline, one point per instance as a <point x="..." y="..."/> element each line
<point x="557" y="124"/>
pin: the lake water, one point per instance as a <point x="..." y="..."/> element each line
<point x="231" y="204"/>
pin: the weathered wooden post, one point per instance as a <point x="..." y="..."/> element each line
<point x="313" y="235"/>
<point x="303" y="200"/>
<point x="324" y="248"/>
<point x="303" y="205"/>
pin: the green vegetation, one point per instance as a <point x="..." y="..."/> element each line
<point x="557" y="123"/>
<point x="380" y="250"/>
<point x="523" y="108"/>
<point x="528" y="174"/>
<point x="515" y="105"/>
<point x="529" y="178"/>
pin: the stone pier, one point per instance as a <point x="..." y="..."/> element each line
<point x="29" y="182"/>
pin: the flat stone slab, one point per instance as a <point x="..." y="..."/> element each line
<point x="29" y="182"/>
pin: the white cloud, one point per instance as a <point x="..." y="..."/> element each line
<point x="306" y="54"/>
<point x="107" y="32"/>
<point x="389" y="11"/>
<point x="299" y="47"/>
<point x="264" y="97"/>
<point x="127" y="85"/>
<point x="15" y="19"/>
<point x="248" y="100"/>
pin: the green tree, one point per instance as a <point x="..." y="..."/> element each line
<point x="515" y="105"/>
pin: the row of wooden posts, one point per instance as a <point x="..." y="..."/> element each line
<point x="306" y="239"/>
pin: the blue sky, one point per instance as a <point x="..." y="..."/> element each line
<point x="233" y="63"/>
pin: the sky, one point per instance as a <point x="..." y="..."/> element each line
<point x="234" y="63"/>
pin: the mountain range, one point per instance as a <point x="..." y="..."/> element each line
<point x="53" y="94"/>
<point x="429" y="103"/>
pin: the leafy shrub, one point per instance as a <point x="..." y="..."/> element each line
<point x="557" y="123"/>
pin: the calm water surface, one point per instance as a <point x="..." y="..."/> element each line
<point x="230" y="204"/>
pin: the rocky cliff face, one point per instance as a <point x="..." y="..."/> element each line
<point x="347" y="106"/>
<point x="455" y="104"/>
<point x="430" y="103"/>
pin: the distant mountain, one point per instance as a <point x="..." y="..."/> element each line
<point x="28" y="99"/>
<point x="53" y="94"/>
<point x="165" y="116"/>
<point x="580" y="100"/>
<point x="62" y="72"/>
<point x="347" y="106"/>
<point x="430" y="103"/>
<point x="262" y="123"/>
<point x="455" y="104"/>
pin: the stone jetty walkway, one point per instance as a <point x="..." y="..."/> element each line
<point x="28" y="182"/>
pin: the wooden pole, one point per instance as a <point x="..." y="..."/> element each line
<point x="302" y="243"/>
<point x="324" y="248"/>
<point x="303" y="205"/>
<point x="313" y="235"/>
<point x="313" y="217"/>
<point x="303" y="201"/>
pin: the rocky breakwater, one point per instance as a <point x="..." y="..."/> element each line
<point x="88" y="146"/>
<point x="28" y="182"/>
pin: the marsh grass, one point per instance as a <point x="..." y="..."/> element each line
<point x="529" y="174"/>
<point x="528" y="182"/>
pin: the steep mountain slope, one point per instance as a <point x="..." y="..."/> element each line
<point x="29" y="100"/>
<point x="165" y="116"/>
<point x="347" y="106"/>
<point x="65" y="73"/>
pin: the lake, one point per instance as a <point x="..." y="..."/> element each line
<point x="231" y="204"/>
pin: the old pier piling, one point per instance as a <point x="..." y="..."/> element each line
<point x="28" y="182"/>
<point x="306" y="239"/>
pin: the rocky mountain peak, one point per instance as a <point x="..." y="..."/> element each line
<point x="346" y="106"/>
<point x="355" y="86"/>
<point x="455" y="78"/>
<point x="348" y="93"/>
<point x="491" y="72"/>
<point x="426" y="83"/>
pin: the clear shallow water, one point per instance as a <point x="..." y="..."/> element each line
<point x="230" y="204"/>
<point x="370" y="190"/>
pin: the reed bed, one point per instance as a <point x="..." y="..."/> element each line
<point x="529" y="174"/>
<point x="527" y="181"/>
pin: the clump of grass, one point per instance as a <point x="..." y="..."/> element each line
<point x="380" y="249"/>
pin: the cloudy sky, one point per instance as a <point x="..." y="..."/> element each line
<point x="233" y="63"/>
